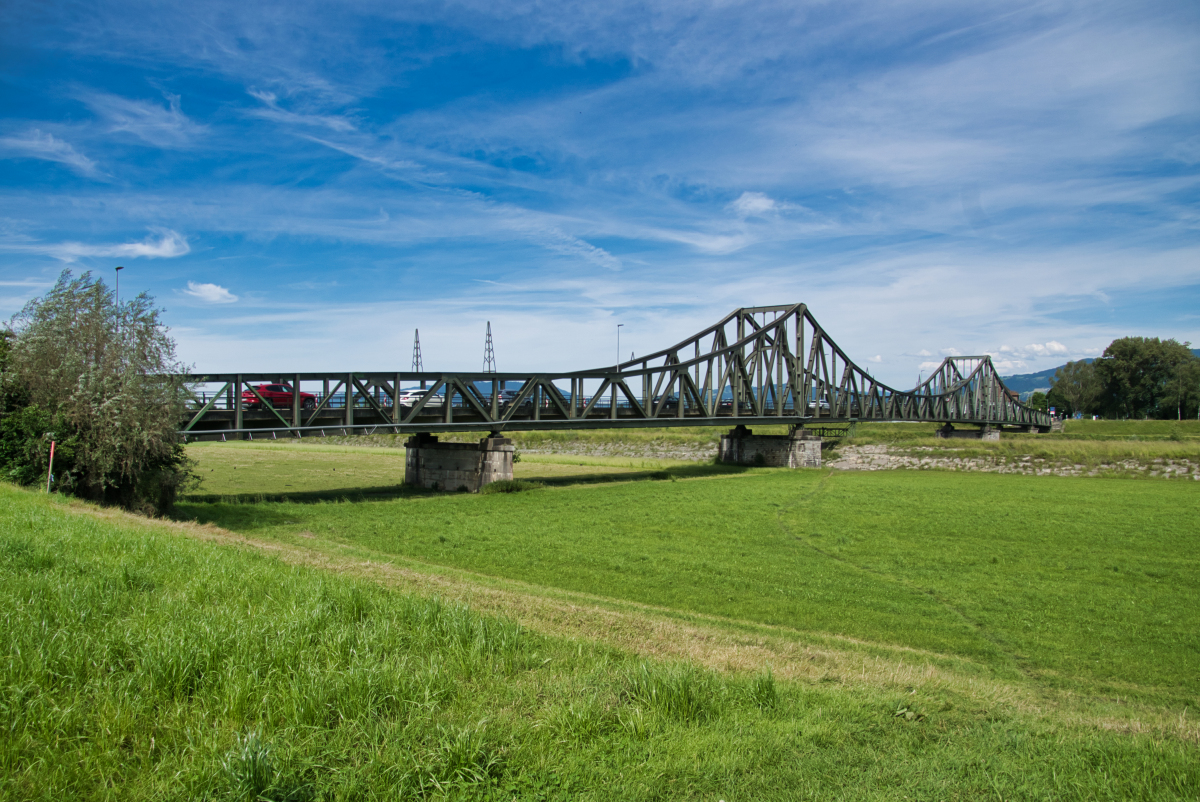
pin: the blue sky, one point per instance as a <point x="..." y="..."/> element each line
<point x="302" y="184"/>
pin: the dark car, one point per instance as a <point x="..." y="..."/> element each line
<point x="669" y="403"/>
<point x="726" y="405"/>
<point x="277" y="395"/>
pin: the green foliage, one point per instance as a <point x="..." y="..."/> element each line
<point x="1144" y="377"/>
<point x="1038" y="401"/>
<point x="102" y="380"/>
<point x="678" y="692"/>
<point x="1075" y="388"/>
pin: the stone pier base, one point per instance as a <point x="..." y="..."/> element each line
<point x="982" y="433"/>
<point x="799" y="449"/>
<point x="457" y="466"/>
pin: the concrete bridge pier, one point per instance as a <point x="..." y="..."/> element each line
<point x="800" y="449"/>
<point x="984" y="432"/>
<point x="457" y="466"/>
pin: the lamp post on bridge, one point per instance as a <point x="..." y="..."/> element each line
<point x="619" y="325"/>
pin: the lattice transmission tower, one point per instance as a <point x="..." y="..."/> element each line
<point x="418" y="365"/>
<point x="489" y="353"/>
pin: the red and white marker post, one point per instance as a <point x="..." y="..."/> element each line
<point x="50" y="470"/>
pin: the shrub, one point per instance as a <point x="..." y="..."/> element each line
<point x="102" y="380"/>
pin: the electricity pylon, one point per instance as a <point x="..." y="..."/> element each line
<point x="489" y="353"/>
<point x="418" y="366"/>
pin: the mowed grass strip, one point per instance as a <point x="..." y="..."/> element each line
<point x="304" y="471"/>
<point x="144" y="664"/>
<point x="1088" y="584"/>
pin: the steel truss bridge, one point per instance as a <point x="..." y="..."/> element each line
<point x="757" y="366"/>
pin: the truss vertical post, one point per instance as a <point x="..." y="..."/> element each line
<point x="296" y="400"/>
<point x="237" y="400"/>
<point x="349" y="394"/>
<point x="396" y="400"/>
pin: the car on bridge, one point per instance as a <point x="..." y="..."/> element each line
<point x="277" y="395"/>
<point x="410" y="397"/>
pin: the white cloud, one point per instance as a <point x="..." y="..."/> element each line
<point x="37" y="145"/>
<point x="1004" y="366"/>
<point x="1048" y="349"/>
<point x="276" y="114"/>
<point x="1032" y="351"/>
<point x="753" y="204"/>
<point x="168" y="245"/>
<point x="358" y="153"/>
<point x="162" y="127"/>
<point x="210" y="293"/>
<point x="876" y="359"/>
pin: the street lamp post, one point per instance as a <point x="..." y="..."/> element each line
<point x="619" y="325"/>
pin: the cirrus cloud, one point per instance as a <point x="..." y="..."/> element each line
<point x="35" y="144"/>
<point x="167" y="245"/>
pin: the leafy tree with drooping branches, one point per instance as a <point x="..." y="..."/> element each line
<point x="103" y="380"/>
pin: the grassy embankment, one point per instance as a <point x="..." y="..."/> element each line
<point x="1085" y="584"/>
<point x="144" y="662"/>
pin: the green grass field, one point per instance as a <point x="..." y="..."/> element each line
<point x="629" y="628"/>
<point x="1091" y="585"/>
<point x="146" y="660"/>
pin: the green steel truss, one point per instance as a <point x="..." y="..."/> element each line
<point x="759" y="365"/>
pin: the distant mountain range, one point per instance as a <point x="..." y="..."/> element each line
<point x="1028" y="383"/>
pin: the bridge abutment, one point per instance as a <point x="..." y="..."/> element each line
<point x="800" y="449"/>
<point x="982" y="433"/>
<point x="457" y="466"/>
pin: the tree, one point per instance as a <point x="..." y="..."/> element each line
<point x="1037" y="400"/>
<point x="102" y="380"/>
<point x="1075" y="388"/>
<point x="1136" y="372"/>
<point x="1183" y="390"/>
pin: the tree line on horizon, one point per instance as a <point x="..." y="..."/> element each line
<point x="1135" y="378"/>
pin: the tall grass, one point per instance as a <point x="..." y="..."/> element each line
<point x="139" y="663"/>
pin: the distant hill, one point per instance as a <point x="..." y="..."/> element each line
<point x="1028" y="383"/>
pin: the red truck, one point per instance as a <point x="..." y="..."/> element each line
<point x="277" y="395"/>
